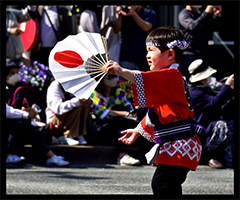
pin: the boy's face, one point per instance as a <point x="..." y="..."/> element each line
<point x="157" y="60"/>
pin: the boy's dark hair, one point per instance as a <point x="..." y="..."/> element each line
<point x="165" y="34"/>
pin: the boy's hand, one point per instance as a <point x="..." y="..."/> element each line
<point x="130" y="136"/>
<point x="114" y="68"/>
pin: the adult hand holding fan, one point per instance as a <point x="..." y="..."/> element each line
<point x="78" y="63"/>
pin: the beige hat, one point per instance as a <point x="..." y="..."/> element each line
<point x="199" y="71"/>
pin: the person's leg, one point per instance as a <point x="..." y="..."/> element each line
<point x="38" y="140"/>
<point x="83" y="125"/>
<point x="49" y="154"/>
<point x="167" y="180"/>
<point x="72" y="123"/>
<point x="83" y="121"/>
<point x="229" y="148"/>
<point x="217" y="143"/>
<point x="120" y="124"/>
<point x="15" y="129"/>
<point x="109" y="134"/>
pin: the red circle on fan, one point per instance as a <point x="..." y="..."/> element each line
<point x="69" y="59"/>
<point x="30" y="34"/>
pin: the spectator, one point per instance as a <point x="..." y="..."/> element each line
<point x="109" y="16"/>
<point x="14" y="46"/>
<point x="134" y="22"/>
<point x="12" y="156"/>
<point x="19" y="126"/>
<point x="197" y="28"/>
<point x="111" y="116"/>
<point x="20" y="131"/>
<point x="68" y="114"/>
<point x="55" y="25"/>
<point x="88" y="21"/>
<point x="18" y="93"/>
<point x="208" y="106"/>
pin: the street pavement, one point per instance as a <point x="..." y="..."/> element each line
<point x="110" y="180"/>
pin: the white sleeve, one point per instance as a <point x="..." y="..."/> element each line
<point x="55" y="100"/>
<point x="88" y="21"/>
<point x="13" y="113"/>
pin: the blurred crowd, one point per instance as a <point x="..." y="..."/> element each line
<point x="40" y="112"/>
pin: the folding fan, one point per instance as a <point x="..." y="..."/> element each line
<point x="77" y="62"/>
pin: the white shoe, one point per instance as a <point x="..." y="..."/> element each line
<point x="57" y="160"/>
<point x="82" y="140"/>
<point x="14" y="159"/>
<point x="69" y="141"/>
<point x="128" y="160"/>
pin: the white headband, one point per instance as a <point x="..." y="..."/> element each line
<point x="180" y="44"/>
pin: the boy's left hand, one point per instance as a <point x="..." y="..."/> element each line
<point x="130" y="136"/>
<point x="113" y="67"/>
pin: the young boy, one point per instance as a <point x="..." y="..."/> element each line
<point x="162" y="90"/>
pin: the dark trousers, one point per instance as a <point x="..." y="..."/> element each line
<point x="167" y="180"/>
<point x="21" y="132"/>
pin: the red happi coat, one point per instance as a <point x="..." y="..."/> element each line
<point x="164" y="90"/>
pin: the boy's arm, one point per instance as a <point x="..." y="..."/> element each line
<point x="115" y="68"/>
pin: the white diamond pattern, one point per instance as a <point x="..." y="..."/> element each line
<point x="186" y="147"/>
